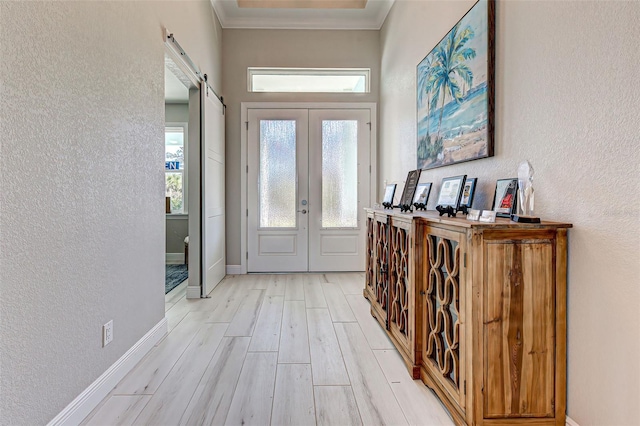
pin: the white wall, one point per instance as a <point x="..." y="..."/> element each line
<point x="283" y="48"/>
<point x="176" y="113"/>
<point x="82" y="199"/>
<point x="567" y="98"/>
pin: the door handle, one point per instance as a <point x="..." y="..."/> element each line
<point x="303" y="211"/>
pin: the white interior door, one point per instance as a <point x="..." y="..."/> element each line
<point x="277" y="218"/>
<point x="339" y="176"/>
<point x="213" y="191"/>
<point x="307" y="184"/>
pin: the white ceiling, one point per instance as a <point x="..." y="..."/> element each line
<point x="370" y="18"/>
<point x="175" y="92"/>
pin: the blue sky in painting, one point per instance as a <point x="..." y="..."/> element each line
<point x="476" y="18"/>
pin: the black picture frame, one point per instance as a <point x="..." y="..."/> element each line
<point x="468" y="192"/>
<point x="410" y="188"/>
<point x="451" y="191"/>
<point x="505" y="197"/>
<point x="422" y="192"/>
<point x="389" y="192"/>
<point x="446" y="142"/>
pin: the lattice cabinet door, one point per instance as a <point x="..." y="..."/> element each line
<point x="380" y="298"/>
<point x="443" y="313"/>
<point x="401" y="288"/>
<point x="370" y="259"/>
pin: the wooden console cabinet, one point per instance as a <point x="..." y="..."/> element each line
<point x="477" y="311"/>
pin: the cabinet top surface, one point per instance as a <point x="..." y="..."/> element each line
<point x="461" y="220"/>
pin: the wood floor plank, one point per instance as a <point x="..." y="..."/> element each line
<point x="375" y="335"/>
<point x="170" y="401"/>
<point x="419" y="404"/>
<point x="293" y="402"/>
<point x="326" y="358"/>
<point x="313" y="295"/>
<point x="338" y="305"/>
<point x="176" y="314"/>
<point x="246" y="316"/>
<point x="211" y="401"/>
<point x="118" y="410"/>
<point x="147" y="376"/>
<point x="228" y="301"/>
<point x="277" y="285"/>
<point x="351" y="283"/>
<point x="376" y="401"/>
<point x="260" y="282"/>
<point x="253" y="398"/>
<point x="266" y="336"/>
<point x="294" y="337"/>
<point x="177" y="293"/>
<point x="336" y="406"/>
<point x="295" y="288"/>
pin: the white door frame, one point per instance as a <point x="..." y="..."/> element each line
<point x="194" y="285"/>
<point x="245" y="106"/>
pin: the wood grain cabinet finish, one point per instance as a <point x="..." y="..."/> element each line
<point x="389" y="282"/>
<point x="477" y="311"/>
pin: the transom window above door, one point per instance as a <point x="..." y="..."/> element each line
<point x="308" y="80"/>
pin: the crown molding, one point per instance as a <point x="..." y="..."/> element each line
<point x="307" y="19"/>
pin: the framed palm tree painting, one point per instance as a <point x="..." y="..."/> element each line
<point x="455" y="92"/>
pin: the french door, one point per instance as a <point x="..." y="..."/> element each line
<point x="308" y="182"/>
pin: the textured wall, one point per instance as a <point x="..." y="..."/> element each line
<point x="567" y="99"/>
<point x="82" y="201"/>
<point x="283" y="48"/>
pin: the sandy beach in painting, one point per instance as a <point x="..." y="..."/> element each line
<point x="462" y="148"/>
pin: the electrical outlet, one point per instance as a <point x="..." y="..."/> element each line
<point x="107" y="333"/>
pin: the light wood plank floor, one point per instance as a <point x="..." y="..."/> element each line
<point x="298" y="349"/>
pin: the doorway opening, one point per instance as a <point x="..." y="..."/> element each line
<point x="203" y="189"/>
<point x="177" y="167"/>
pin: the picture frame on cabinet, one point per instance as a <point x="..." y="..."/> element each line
<point x="422" y="193"/>
<point x="421" y="196"/>
<point x="451" y="191"/>
<point x="410" y="188"/>
<point x="505" y="197"/>
<point x="389" y="192"/>
<point x="468" y="192"/>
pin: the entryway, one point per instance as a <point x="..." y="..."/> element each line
<point x="309" y="177"/>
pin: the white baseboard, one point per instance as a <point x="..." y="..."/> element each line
<point x="571" y="422"/>
<point x="174" y="258"/>
<point x="193" y="292"/>
<point x="234" y="270"/>
<point x="79" y="408"/>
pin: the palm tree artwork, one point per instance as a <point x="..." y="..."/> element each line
<point x="452" y="101"/>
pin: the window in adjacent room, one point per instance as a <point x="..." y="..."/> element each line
<point x="175" y="168"/>
<point x="308" y="80"/>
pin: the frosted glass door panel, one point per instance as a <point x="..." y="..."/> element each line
<point x="339" y="159"/>
<point x="277" y="190"/>
<point x="277" y="181"/>
<point x="339" y="173"/>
